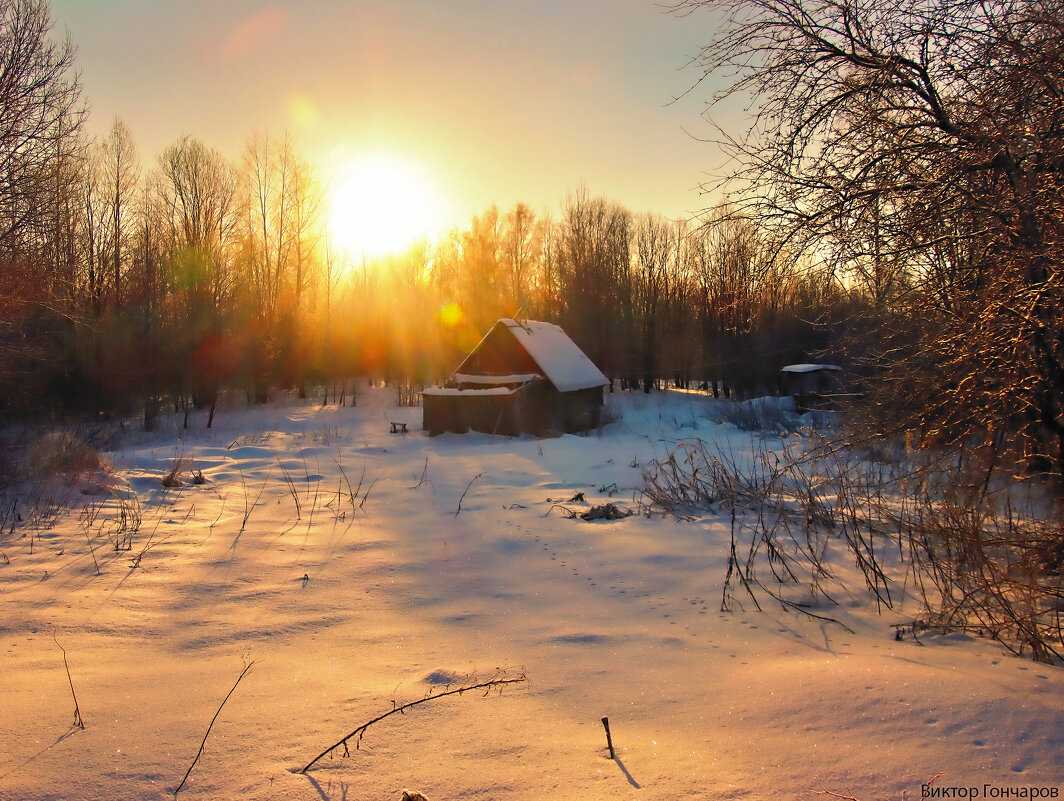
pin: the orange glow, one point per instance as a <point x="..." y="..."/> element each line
<point x="379" y="204"/>
<point x="254" y="32"/>
<point x="302" y="110"/>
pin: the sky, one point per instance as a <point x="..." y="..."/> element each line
<point x="493" y="101"/>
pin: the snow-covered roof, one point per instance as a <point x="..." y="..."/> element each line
<point x="516" y="378"/>
<point x="468" y="392"/>
<point x="808" y="368"/>
<point x="562" y="362"/>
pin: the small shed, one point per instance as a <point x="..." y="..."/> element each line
<point x="809" y="384"/>
<point x="524" y="377"/>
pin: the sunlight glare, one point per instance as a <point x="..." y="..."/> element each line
<point x="380" y="204"/>
<point x="451" y="315"/>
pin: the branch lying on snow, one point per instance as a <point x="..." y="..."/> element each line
<point x="495" y="682"/>
<point x="570" y="513"/>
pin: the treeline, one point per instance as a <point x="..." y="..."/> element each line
<point x="127" y="284"/>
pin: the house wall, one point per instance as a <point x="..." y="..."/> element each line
<point x="582" y="409"/>
<point x="811" y="389"/>
<point x="536" y="408"/>
<point x="459" y="413"/>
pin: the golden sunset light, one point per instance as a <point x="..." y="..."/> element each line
<point x="379" y="204"/>
<point x="469" y="375"/>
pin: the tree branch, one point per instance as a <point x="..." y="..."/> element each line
<point x="497" y="681"/>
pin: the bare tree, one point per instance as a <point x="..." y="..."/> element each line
<point x="40" y="116"/>
<point x="93" y="224"/>
<point x="120" y="171"/>
<point x="925" y="135"/>
<point x="522" y="246"/>
<point x="196" y="200"/>
<point x="595" y="260"/>
<point x="306" y="230"/>
<point x="547" y="282"/>
<point x="482" y="281"/>
<point x="654" y="249"/>
<point x="268" y="178"/>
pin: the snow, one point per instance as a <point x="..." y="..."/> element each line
<point x="515" y="378"/>
<point x="453" y="558"/>
<point x="475" y="393"/>
<point x="809" y="368"/>
<point x="564" y="364"/>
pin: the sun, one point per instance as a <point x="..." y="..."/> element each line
<point x="380" y="204"/>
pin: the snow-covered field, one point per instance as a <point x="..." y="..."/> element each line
<point x="449" y="561"/>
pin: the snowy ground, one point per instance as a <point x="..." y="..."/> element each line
<point x="348" y="606"/>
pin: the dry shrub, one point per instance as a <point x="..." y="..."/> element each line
<point x="173" y="477"/>
<point x="758" y="414"/>
<point x="986" y="565"/>
<point x="981" y="561"/>
<point x="62" y="453"/>
<point x="41" y="475"/>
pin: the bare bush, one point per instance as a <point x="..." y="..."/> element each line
<point x="173" y="476"/>
<point x="758" y="414"/>
<point x="980" y="561"/>
<point x="70" y="455"/>
<point x="124" y="525"/>
<point x="985" y="566"/>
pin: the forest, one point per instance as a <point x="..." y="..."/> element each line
<point x="132" y="283"/>
<point x="894" y="208"/>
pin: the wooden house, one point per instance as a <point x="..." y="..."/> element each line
<point x="523" y="377"/>
<point x="811" y="385"/>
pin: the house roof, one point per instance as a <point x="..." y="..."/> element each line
<point x="562" y="362"/>
<point x="809" y="368"/>
<point x="494" y="380"/>
<point x="468" y="393"/>
<point x="549" y="351"/>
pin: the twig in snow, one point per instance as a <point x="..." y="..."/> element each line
<point x="424" y="477"/>
<point x="92" y="550"/>
<point x="570" y="513"/>
<point x="836" y="795"/>
<point x="361" y="478"/>
<point x="350" y="492"/>
<point x="496" y="682"/>
<point x="78" y="721"/>
<point x="291" y="489"/>
<point x="317" y="491"/>
<point x="609" y="739"/>
<point x="248" y="509"/>
<point x="199" y="753"/>
<point x="220" y="512"/>
<point x="368" y="489"/>
<point x="470" y="484"/>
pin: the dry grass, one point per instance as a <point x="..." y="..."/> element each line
<point x="979" y="560"/>
<point x="42" y="475"/>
